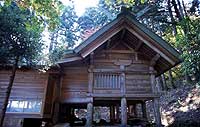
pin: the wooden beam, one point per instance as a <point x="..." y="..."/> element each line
<point x="158" y="83"/>
<point x="90" y="82"/>
<point x="129" y="96"/>
<point x="99" y="42"/>
<point x="144" y="112"/>
<point x="119" y="51"/>
<point x="151" y="46"/>
<point x="71" y="59"/>
<point x="115" y="45"/>
<point x="76" y="100"/>
<point x="154" y="59"/>
<point x="139" y="45"/>
<point x="113" y="60"/>
<point x="91" y="59"/>
<point x="129" y="71"/>
<point x="122" y="83"/>
<point x="108" y="44"/>
<point x="123" y="62"/>
<point x="47" y="82"/>
<point x="153" y="81"/>
<point x="117" y="113"/>
<point x="126" y="45"/>
<point x="135" y="110"/>
<point x="136" y="56"/>
<point x="123" y="33"/>
<point x="112" y="113"/>
<point x="56" y="106"/>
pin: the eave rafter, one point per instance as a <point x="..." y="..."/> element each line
<point x="123" y="34"/>
<point x="150" y="45"/>
<point x="108" y="44"/>
<point x="128" y="46"/>
<point x="139" y="45"/>
<point x="154" y="60"/>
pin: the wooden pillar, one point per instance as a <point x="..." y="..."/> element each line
<point x="89" y="114"/>
<point x="112" y="113"/>
<point x="117" y="113"/>
<point x="67" y="112"/>
<point x="158" y="84"/>
<point x="90" y="75"/>
<point x="153" y="80"/>
<point x="131" y="111"/>
<point x="122" y="83"/>
<point x="164" y="82"/>
<point x="144" y="112"/>
<point x="123" y="112"/>
<point x="90" y="82"/>
<point x="90" y="91"/>
<point x="135" y="110"/>
<point x="56" y="105"/>
<point x="156" y="107"/>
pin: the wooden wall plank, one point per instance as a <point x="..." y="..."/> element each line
<point x="27" y="84"/>
<point x="75" y="82"/>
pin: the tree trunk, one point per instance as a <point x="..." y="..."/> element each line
<point x="184" y="8"/>
<point x="180" y="9"/>
<point x="171" y="79"/>
<point x="9" y="88"/>
<point x="178" y="15"/>
<point x="172" y="17"/>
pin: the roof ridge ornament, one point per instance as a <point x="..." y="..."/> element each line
<point x="126" y="11"/>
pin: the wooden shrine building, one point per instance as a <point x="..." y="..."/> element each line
<point x="116" y="67"/>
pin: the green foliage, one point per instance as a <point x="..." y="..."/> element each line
<point x="126" y="3"/>
<point x="64" y="36"/>
<point x="47" y="11"/>
<point x="150" y="13"/>
<point x="19" y="35"/>
<point x="57" y="53"/>
<point x="190" y="43"/>
<point x="93" y="18"/>
<point x="67" y="28"/>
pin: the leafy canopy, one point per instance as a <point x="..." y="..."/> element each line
<point x="190" y="43"/>
<point x="46" y="11"/>
<point x="64" y="36"/>
<point x="20" y="35"/>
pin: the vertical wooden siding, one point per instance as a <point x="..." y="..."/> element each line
<point x="28" y="85"/>
<point x="74" y="82"/>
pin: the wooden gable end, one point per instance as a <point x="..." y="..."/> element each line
<point x="136" y="37"/>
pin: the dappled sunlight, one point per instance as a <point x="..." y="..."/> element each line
<point x="184" y="108"/>
<point x="176" y="103"/>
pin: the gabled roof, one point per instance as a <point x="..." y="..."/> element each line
<point x="125" y="20"/>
